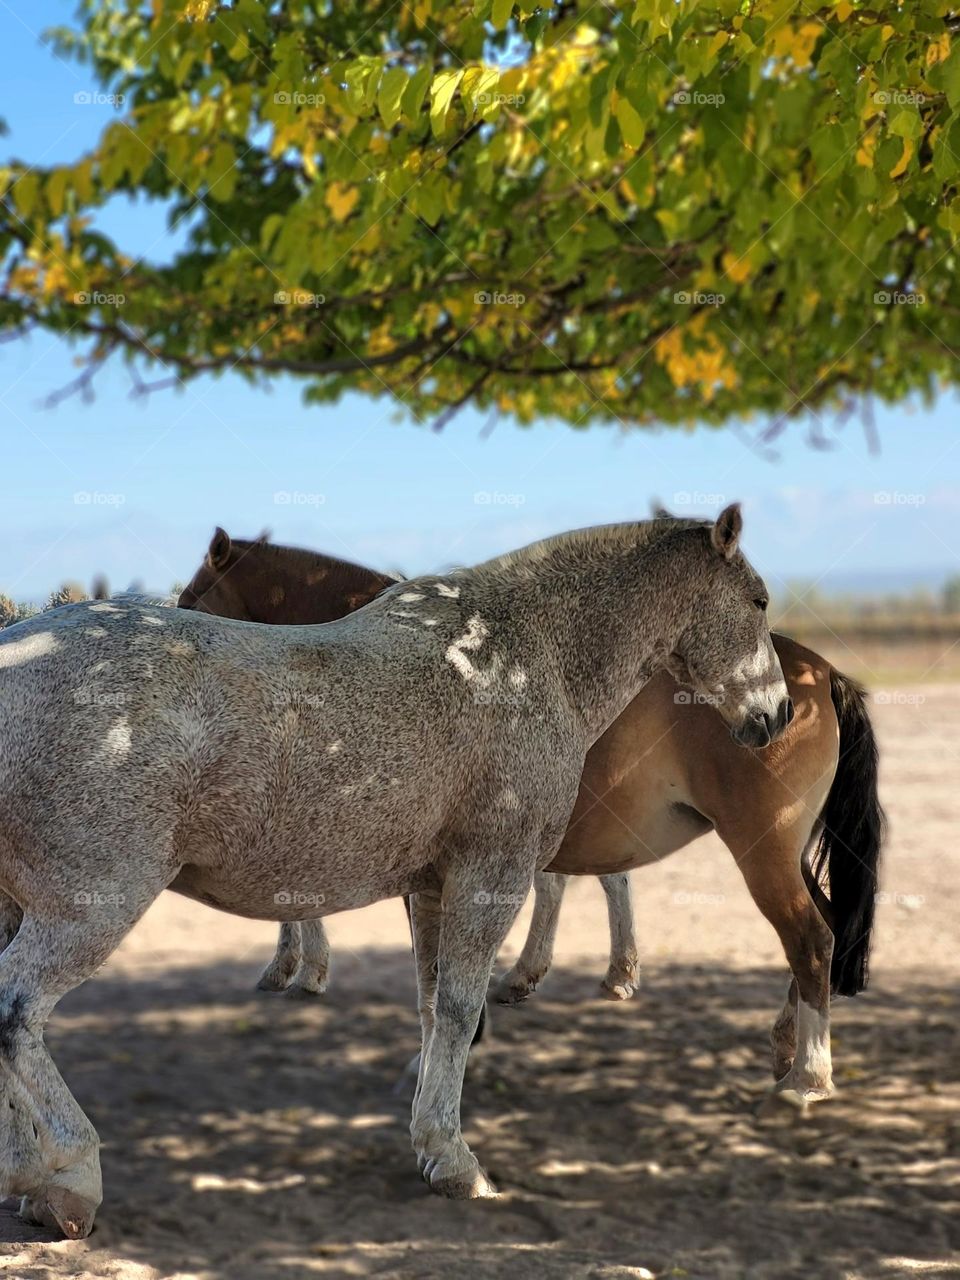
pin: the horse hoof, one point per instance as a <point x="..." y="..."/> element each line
<point x="617" y="990"/>
<point x="514" y="990"/>
<point x="797" y="1095"/>
<point x="469" y="1185"/>
<point x="61" y="1210"/>
<point x="303" y="991"/>
<point x="271" y="981"/>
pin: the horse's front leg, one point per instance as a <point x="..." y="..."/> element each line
<point x="475" y="919"/>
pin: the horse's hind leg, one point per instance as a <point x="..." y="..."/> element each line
<point x="278" y="974"/>
<point x="783" y="1037"/>
<point x="534" y="960"/>
<point x="623" y="975"/>
<point x="49" y="1150"/>
<point x="771" y="866"/>
<point x="314" y="966"/>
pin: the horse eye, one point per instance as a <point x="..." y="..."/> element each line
<point x="761" y="602"/>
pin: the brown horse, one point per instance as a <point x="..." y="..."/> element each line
<point x="798" y="813"/>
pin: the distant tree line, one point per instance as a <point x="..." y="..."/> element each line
<point x="12" y="611"/>
<point x="804" y="606"/>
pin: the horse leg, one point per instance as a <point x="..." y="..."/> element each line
<point x="424" y="914"/>
<point x="771" y="867"/>
<point x="428" y="946"/>
<point x="49" y="1150"/>
<point x="279" y="972"/>
<point x="783" y="1037"/>
<point x="534" y="960"/>
<point x="314" y="966"/>
<point x="623" y="975"/>
<point x="473" y="924"/>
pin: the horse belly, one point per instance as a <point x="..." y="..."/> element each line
<point x="638" y="822"/>
<point x="263" y="892"/>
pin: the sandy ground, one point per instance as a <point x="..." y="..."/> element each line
<point x="247" y="1137"/>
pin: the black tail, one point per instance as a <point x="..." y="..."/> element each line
<point x="848" y="853"/>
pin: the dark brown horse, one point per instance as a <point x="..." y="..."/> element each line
<point x="797" y="815"/>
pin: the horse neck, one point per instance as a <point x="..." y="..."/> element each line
<point x="614" y="620"/>
<point x="307" y="587"/>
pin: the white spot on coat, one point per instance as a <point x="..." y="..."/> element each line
<point x="27" y="650"/>
<point x="471" y="640"/>
<point x="118" y="739"/>
<point x="452" y="593"/>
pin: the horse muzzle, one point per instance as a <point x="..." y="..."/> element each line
<point x="763" y="728"/>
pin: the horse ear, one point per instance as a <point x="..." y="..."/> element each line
<point x="725" y="534"/>
<point x="218" y="553"/>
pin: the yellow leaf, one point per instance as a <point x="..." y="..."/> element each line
<point x="628" y="191"/>
<point x="904" y="160"/>
<point x="797" y="43"/>
<point x="341" y="200"/>
<point x="844" y="10"/>
<point x="939" y="50"/>
<point x="738" y="269"/>
<point x="867" y="147"/>
<point x="380" y="341"/>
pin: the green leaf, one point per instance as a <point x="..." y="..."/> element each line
<point x="393" y="85"/>
<point x="631" y="126"/>
<point x="222" y="173"/>
<point x="500" y="13"/>
<point x="268" y="230"/>
<point x="905" y="122"/>
<point x="415" y="93"/>
<point x="950" y="72"/>
<point x="55" y="190"/>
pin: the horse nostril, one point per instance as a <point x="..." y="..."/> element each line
<point x="789" y="712"/>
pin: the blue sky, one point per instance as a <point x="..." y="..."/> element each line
<point x="134" y="488"/>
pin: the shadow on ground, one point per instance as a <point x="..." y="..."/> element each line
<point x="249" y="1136"/>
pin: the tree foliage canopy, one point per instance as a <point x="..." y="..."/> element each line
<point x="655" y="211"/>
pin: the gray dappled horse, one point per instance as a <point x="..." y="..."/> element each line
<point x="795" y="815"/>
<point x="431" y="744"/>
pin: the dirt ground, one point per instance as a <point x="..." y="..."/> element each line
<point x="251" y="1137"/>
